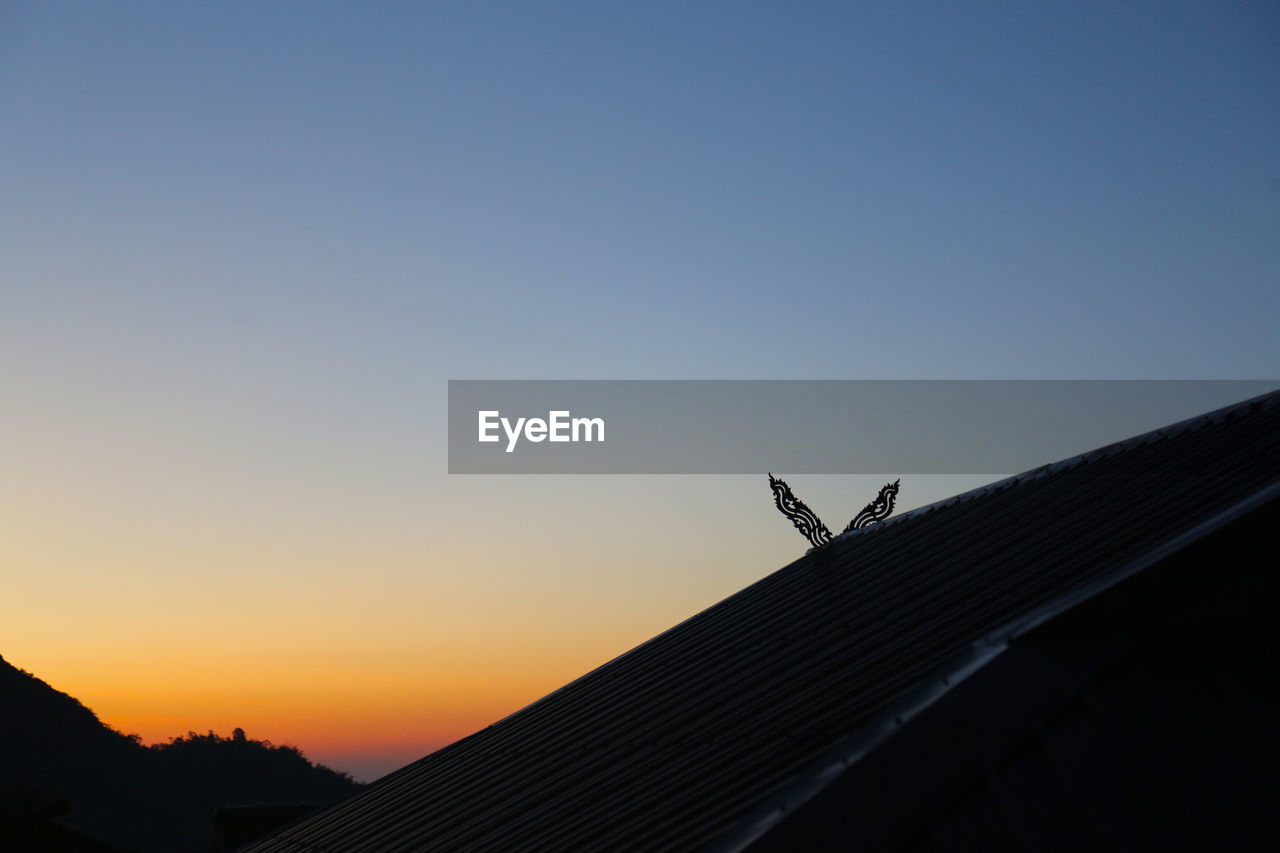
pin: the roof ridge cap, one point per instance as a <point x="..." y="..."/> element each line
<point x="1266" y="400"/>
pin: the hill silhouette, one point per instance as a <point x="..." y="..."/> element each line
<point x="58" y="758"/>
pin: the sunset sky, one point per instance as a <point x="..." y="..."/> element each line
<point x="244" y="246"/>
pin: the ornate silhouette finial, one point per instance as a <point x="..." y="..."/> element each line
<point x="812" y="528"/>
<point x="809" y="525"/>
<point x="879" y="509"/>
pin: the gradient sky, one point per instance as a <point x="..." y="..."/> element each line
<point x="243" y="246"/>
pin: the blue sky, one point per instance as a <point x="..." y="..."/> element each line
<point x="660" y="189"/>
<point x="243" y="246"/>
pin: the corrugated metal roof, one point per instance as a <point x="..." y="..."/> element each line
<point x="1142" y="719"/>
<point x="703" y="735"/>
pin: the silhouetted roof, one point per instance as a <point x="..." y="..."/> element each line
<point x="711" y="734"/>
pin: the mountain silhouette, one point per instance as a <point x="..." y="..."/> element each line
<point x="64" y="773"/>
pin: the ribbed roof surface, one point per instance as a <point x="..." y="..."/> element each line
<point x="681" y="742"/>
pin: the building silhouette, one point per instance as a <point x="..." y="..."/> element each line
<point x="1078" y="657"/>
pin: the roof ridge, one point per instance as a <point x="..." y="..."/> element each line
<point x="1261" y="401"/>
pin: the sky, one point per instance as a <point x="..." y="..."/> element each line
<point x="243" y="248"/>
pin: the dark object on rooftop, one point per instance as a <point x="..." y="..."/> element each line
<point x="1078" y="657"/>
<point x="812" y="528"/>
<point x="805" y="520"/>
<point x="878" y="510"/>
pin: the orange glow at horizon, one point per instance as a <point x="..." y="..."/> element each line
<point x="361" y="638"/>
<point x="366" y="704"/>
<point x="352" y="721"/>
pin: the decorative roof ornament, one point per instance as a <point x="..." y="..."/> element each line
<point x="809" y="525"/>
<point x="812" y="528"/>
<point x="879" y="509"/>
